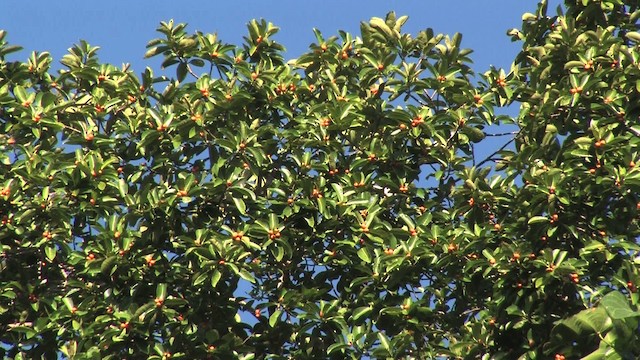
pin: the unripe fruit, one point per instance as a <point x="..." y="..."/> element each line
<point x="159" y="302"/>
<point x="588" y="65"/>
<point x="316" y="194"/>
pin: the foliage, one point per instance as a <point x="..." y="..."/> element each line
<point x="331" y="206"/>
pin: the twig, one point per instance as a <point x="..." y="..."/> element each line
<point x="503" y="134"/>
<point x="488" y="158"/>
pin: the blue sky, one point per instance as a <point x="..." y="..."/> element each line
<point x="122" y="28"/>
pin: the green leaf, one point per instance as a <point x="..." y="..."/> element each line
<point x="108" y="265"/>
<point x="181" y="71"/>
<point x="20" y="93"/>
<point x="142" y="310"/>
<point x="586" y="322"/>
<point x="215" y="277"/>
<point x="278" y="252"/>
<point x="384" y="342"/>
<point x="475" y="134"/>
<point x="200" y="278"/>
<point x="275" y="317"/>
<point x="633" y="35"/>
<point x="241" y="191"/>
<point x="617" y="306"/>
<point x="68" y="302"/>
<point x="538" y="219"/>
<point x="365" y="255"/>
<point x="246" y="275"/>
<point x="322" y="206"/>
<point x="240" y="205"/>
<point x="407" y="220"/>
<point x="151" y="52"/>
<point x="123" y="187"/>
<point x="573" y="64"/>
<point x="381" y="25"/>
<point x="273" y="221"/>
<point x="161" y="291"/>
<point x="361" y="312"/>
<point x="29" y="332"/>
<point x="337" y="347"/>
<point x="50" y="252"/>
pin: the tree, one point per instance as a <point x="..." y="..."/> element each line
<point x="332" y="206"/>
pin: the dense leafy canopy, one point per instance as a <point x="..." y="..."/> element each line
<point x="331" y="206"/>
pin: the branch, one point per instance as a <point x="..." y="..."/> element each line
<point x="189" y="70"/>
<point x="634" y="131"/>
<point x="488" y="158"/>
<point x="503" y="134"/>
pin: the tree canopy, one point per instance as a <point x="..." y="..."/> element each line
<point x="332" y="206"/>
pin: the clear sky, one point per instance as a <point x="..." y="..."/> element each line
<point x="123" y="27"/>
